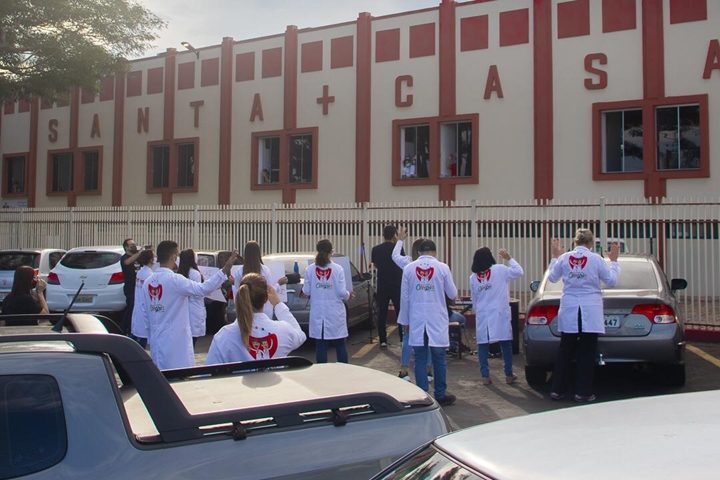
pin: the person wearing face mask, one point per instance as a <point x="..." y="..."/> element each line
<point x="129" y="266"/>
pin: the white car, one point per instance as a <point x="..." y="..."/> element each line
<point x="98" y="268"/>
<point x="41" y="259"/>
<point x="667" y="436"/>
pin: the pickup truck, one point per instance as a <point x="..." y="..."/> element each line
<point x="93" y="405"/>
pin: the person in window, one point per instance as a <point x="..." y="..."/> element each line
<point x="325" y="285"/>
<point x="266" y="176"/>
<point x="17" y="187"/>
<point x="408" y="168"/>
<point x="252" y="263"/>
<point x="253" y="335"/>
<point x="188" y="268"/>
<point x="491" y="302"/>
<point x="580" y="318"/>
<point x="20" y="300"/>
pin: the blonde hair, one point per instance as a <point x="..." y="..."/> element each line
<point x="250" y="298"/>
<point x="584" y="237"/>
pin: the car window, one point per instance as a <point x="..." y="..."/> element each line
<point x="355" y="274"/>
<point x="12" y="260"/>
<point x="633" y="276"/>
<point x="430" y="464"/>
<point x="204" y="260"/>
<point x="89" y="260"/>
<point x="54" y="258"/>
<point x="32" y="425"/>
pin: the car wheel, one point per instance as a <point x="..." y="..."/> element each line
<point x="371" y="322"/>
<point x="535" y="375"/>
<point x="674" y="375"/>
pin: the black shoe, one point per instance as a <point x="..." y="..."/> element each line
<point x="448" y="399"/>
<point x="585" y="398"/>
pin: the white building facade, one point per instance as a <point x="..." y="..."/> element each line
<point x="502" y="99"/>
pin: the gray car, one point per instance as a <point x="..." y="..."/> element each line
<point x="644" y="323"/>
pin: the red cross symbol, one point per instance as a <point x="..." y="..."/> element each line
<point x="326" y="99"/>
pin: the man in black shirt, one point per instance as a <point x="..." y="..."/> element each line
<point x="129" y="269"/>
<point x="389" y="280"/>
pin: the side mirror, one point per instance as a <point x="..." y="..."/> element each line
<point x="367" y="276"/>
<point x="678" y="284"/>
<point x="535" y="285"/>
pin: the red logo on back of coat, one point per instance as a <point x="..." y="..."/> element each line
<point x="424" y="274"/>
<point x="155" y="292"/>
<point x="577" y="262"/>
<point x="263" y="347"/>
<point x="483" y="276"/>
<point x="323" y="274"/>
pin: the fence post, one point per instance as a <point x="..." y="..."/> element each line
<point x="364" y="236"/>
<point x="274" y="229"/>
<point x="72" y="237"/>
<point x="196" y="227"/>
<point x="473" y="222"/>
<point x="129" y="223"/>
<point x="602" y="234"/>
<point x="21" y="233"/>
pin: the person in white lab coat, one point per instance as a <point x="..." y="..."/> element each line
<point x="139" y="324"/>
<point x="491" y="302"/>
<point x="254" y="336"/>
<point x="580" y="318"/>
<point x="426" y="282"/>
<point x="252" y="263"/>
<point x="325" y="285"/>
<point x="188" y="268"/>
<point x="166" y="296"/>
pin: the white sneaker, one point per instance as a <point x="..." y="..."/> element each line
<point x="405" y="377"/>
<point x="430" y="378"/>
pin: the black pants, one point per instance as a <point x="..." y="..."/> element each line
<point x="126" y="324"/>
<point x="384" y="295"/>
<point x="585" y="346"/>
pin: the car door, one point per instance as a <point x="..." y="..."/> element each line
<point x="359" y="306"/>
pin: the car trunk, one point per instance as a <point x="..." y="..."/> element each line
<point x="89" y="267"/>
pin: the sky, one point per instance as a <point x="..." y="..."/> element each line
<point x="206" y="22"/>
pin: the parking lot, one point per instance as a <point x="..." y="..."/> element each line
<point x="477" y="404"/>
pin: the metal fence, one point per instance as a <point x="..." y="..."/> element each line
<point x="682" y="234"/>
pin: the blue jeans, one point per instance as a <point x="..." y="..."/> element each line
<point x="406" y="352"/>
<point x="321" y="348"/>
<point x="507" y="355"/>
<point x="457" y="317"/>
<point x="439" y="368"/>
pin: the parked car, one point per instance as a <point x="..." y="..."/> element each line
<point x="598" y="441"/>
<point x="362" y="310"/>
<point x="279" y="418"/>
<point x="98" y="268"/>
<point x="219" y="313"/>
<point x="26" y="324"/>
<point x="41" y="259"/>
<point x="644" y="322"/>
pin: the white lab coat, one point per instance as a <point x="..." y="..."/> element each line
<point x="326" y="288"/>
<point x="237" y="273"/>
<point x="400" y="260"/>
<point x="425" y="283"/>
<point x="139" y="326"/>
<point x="198" y="314"/>
<point x="268" y="339"/>
<point x="581" y="272"/>
<point x="166" y="296"/>
<point x="491" y="301"/>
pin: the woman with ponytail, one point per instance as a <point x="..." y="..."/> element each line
<point x="325" y="284"/>
<point x="188" y="268"/>
<point x="253" y="335"/>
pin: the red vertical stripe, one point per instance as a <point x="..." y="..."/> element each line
<point x="543" y="98"/>
<point x="291" y="60"/>
<point x="118" y="139"/>
<point x="226" y="83"/>
<point x="448" y="69"/>
<point x="169" y="111"/>
<point x="653" y="49"/>
<point x="32" y="153"/>
<point x="362" y="108"/>
<point x="74" y="117"/>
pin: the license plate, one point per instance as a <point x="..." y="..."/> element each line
<point x="612" y="321"/>
<point x="84" y="298"/>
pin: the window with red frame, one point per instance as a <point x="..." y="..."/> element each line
<point x="164" y="159"/>
<point x="62" y="172"/>
<point x="15" y="174"/>
<point x="268" y="160"/>
<point x="300" y="151"/>
<point x="456" y="150"/>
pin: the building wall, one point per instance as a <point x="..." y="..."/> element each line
<point x="535" y="76"/>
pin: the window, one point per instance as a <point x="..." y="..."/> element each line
<point x="14" y="175"/>
<point x="678" y="137"/>
<point x="32" y="425"/>
<point x="89" y="260"/>
<point x="415" y="151"/>
<point x="456" y="149"/>
<point x="301" y="159"/>
<point x="173" y="166"/>
<point x="623" y="141"/>
<point x="62" y="172"/>
<point x="268" y="160"/>
<point x="91" y="171"/>
<point x="55" y="258"/>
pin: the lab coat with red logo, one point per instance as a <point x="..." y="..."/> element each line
<point x="139" y="326"/>
<point x="491" y="301"/>
<point x="166" y="297"/>
<point x="581" y="272"/>
<point x="237" y="273"/>
<point x="198" y="314"/>
<point x="326" y="288"/>
<point x="268" y="339"/>
<point x="425" y="283"/>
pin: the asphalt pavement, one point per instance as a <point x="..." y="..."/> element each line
<point x="478" y="404"/>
